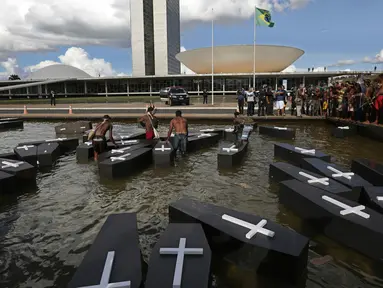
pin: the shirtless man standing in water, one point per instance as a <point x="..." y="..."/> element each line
<point x="180" y="125"/>
<point x="99" y="140"/>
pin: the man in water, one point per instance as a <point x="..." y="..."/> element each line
<point x="238" y="127"/>
<point x="180" y="125"/>
<point x="99" y="140"/>
<point x="149" y="122"/>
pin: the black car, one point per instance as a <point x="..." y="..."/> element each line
<point x="174" y="96"/>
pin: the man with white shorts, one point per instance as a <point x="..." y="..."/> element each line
<point x="280" y="97"/>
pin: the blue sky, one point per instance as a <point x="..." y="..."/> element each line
<point x="327" y="30"/>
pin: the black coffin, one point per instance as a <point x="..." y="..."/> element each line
<point x="126" y="164"/>
<point x="9" y="155"/>
<point x="349" y="179"/>
<point x="23" y="171"/>
<point x="66" y="144"/>
<point x="246" y="133"/>
<point x="7" y="182"/>
<point x="373" y="197"/>
<point x="121" y="150"/>
<point x="278" y="132"/>
<point x="312" y="204"/>
<point x="229" y="135"/>
<point x="343" y="131"/>
<point x="201" y="141"/>
<point x="163" y="154"/>
<point x="193" y="269"/>
<point x="47" y="154"/>
<point x="78" y="127"/>
<point x="135" y="142"/>
<point x="28" y="153"/>
<point x="219" y="131"/>
<point x="84" y="152"/>
<point x="280" y="252"/>
<point x="295" y="154"/>
<point x="118" y="242"/>
<point x="11" y="124"/>
<point x="131" y="136"/>
<point x="282" y="171"/>
<point x="369" y="170"/>
<point x="371" y="131"/>
<point x="231" y="155"/>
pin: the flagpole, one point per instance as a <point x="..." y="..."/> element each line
<point x="212" y="57"/>
<point x="255" y="26"/>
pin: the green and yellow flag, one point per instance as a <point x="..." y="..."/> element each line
<point x="263" y="17"/>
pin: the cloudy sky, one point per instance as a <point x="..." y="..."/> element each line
<point x="94" y="35"/>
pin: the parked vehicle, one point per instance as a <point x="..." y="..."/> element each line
<point x="174" y="95"/>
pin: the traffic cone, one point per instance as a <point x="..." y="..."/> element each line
<point x="70" y="110"/>
<point x="25" y="110"/>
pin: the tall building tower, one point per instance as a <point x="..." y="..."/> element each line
<point x="155" y="36"/>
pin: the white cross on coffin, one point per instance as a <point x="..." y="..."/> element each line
<point x="207" y="130"/>
<point x="55" y="140"/>
<point x="163" y="149"/>
<point x="280" y="128"/>
<point x="306" y="151"/>
<point x="347" y="175"/>
<point x="26" y="147"/>
<point x="88" y="143"/>
<point x="344" y="128"/>
<point x="348" y="209"/>
<point x="120" y="158"/>
<point x="83" y="127"/>
<point x="181" y="251"/>
<point x="119" y="151"/>
<point x="254" y="229"/>
<point x="11" y="164"/>
<point x="104" y="283"/>
<point x="125" y="136"/>
<point x="231" y="149"/>
<point x="313" y="179"/>
<point x="204" y="135"/>
<point x="379" y="198"/>
<point x="128" y="142"/>
<point x="62" y="129"/>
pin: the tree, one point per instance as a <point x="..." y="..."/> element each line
<point x="14" y="77"/>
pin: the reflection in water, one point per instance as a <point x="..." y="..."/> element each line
<point x="45" y="233"/>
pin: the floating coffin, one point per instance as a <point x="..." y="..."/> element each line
<point x="295" y="154"/>
<point x="116" y="152"/>
<point x="9" y="155"/>
<point x="11" y="123"/>
<point x="343" y="131"/>
<point x="219" y="131"/>
<point x="126" y="164"/>
<point x="373" y="197"/>
<point x="200" y="141"/>
<point x="84" y="152"/>
<point x="163" y="154"/>
<point x="270" y="248"/>
<point x="114" y="259"/>
<point x="66" y="144"/>
<point x="48" y="153"/>
<point x="23" y="171"/>
<point x="229" y="134"/>
<point x="231" y="155"/>
<point x="282" y="171"/>
<point x="7" y="182"/>
<point x="349" y="179"/>
<point x="28" y="153"/>
<point x="341" y="219"/>
<point x="278" y="132"/>
<point x="246" y="133"/>
<point x="369" y="170"/>
<point x="78" y="127"/>
<point x="181" y="258"/>
<point x="126" y="143"/>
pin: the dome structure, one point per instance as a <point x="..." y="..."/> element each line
<point x="239" y="58"/>
<point x="58" y="71"/>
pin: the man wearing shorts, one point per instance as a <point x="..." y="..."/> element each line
<point x="280" y="100"/>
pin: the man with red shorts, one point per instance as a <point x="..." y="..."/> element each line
<point x="150" y="123"/>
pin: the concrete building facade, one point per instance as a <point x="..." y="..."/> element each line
<point x="155" y="36"/>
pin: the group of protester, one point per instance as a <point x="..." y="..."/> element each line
<point x="359" y="100"/>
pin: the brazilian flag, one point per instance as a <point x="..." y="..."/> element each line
<point x="263" y="18"/>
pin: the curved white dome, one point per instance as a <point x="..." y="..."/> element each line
<point x="239" y="58"/>
<point x="58" y="71"/>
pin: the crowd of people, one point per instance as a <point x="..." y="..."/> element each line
<point x="359" y="100"/>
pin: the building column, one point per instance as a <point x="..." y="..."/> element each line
<point x="65" y="91"/>
<point x="150" y="87"/>
<point x="198" y="87"/>
<point x="304" y="81"/>
<point x="223" y="86"/>
<point x="46" y="90"/>
<point x="39" y="90"/>
<point x="249" y="83"/>
<point x="27" y="92"/>
<point x="276" y="83"/>
<point x="127" y="87"/>
<point x="106" y="88"/>
<point x="85" y="88"/>
<point x="9" y="92"/>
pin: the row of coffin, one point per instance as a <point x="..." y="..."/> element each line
<point x="326" y="199"/>
<point x="340" y="204"/>
<point x="133" y="154"/>
<point x="11" y="123"/>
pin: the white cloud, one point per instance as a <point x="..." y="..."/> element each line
<point x="378" y="59"/>
<point x="343" y="63"/>
<point x="43" y="25"/>
<point x="292" y="69"/>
